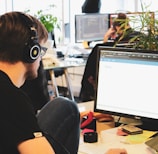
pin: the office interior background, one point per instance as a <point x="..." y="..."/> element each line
<point x="66" y="10"/>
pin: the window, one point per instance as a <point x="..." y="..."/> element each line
<point x="66" y="10"/>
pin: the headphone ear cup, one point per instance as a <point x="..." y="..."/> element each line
<point x="31" y="52"/>
<point x="32" y="48"/>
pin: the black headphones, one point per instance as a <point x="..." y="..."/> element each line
<point x="32" y="48"/>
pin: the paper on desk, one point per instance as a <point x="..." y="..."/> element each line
<point x="139" y="138"/>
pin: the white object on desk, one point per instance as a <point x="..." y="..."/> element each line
<point x="74" y="49"/>
<point x="108" y="139"/>
<point x="50" y="59"/>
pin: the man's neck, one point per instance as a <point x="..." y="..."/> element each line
<point x="16" y="72"/>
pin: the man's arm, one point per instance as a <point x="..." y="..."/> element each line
<point x="116" y="151"/>
<point x="108" y="34"/>
<point x="38" y="145"/>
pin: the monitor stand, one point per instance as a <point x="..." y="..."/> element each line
<point x="143" y="123"/>
<point x="125" y="120"/>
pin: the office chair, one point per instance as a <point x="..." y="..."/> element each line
<point x="87" y="91"/>
<point x="88" y="83"/>
<point x="91" y="6"/>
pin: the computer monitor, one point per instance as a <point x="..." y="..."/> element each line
<point x="127" y="82"/>
<point x="90" y="27"/>
<point x="136" y="20"/>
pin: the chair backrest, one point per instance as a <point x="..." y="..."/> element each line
<point x="91" y="6"/>
<point x="87" y="90"/>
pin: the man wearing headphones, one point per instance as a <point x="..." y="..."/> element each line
<point x="56" y="128"/>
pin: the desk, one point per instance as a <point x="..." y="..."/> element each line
<point x="108" y="139"/>
<point x="64" y="64"/>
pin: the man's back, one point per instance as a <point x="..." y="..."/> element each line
<point x="18" y="121"/>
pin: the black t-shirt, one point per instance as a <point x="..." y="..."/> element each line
<point x="127" y="36"/>
<point x="37" y="90"/>
<point x="17" y="119"/>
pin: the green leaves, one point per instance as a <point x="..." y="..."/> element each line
<point x="146" y="23"/>
<point x="47" y="18"/>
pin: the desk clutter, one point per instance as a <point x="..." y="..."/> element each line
<point x="58" y="58"/>
<point x="89" y="122"/>
<point x="93" y="139"/>
<point x="107" y="139"/>
<point x="50" y="60"/>
<point x="57" y="63"/>
<point x="112" y="136"/>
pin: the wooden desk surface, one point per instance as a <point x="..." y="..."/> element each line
<point x="107" y="138"/>
<point x="89" y="106"/>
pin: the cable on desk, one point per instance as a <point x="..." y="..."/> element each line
<point x="117" y="122"/>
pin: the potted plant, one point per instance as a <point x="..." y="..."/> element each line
<point x="149" y="26"/>
<point x="148" y="37"/>
<point x="48" y="20"/>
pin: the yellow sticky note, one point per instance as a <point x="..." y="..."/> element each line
<point x="139" y="138"/>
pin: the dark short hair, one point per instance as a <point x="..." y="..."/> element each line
<point x="120" y="20"/>
<point x="14" y="33"/>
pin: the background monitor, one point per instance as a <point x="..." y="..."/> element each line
<point x="91" y="27"/>
<point x="127" y="82"/>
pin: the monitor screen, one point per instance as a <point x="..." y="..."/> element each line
<point x="127" y="82"/>
<point x="136" y="20"/>
<point x="91" y="27"/>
